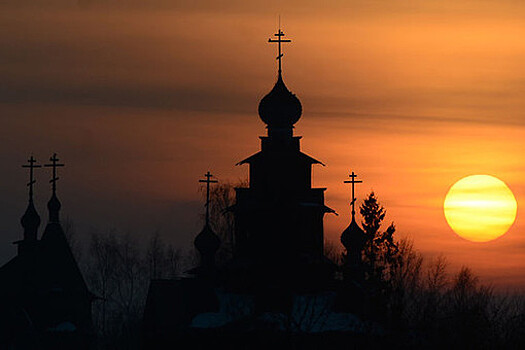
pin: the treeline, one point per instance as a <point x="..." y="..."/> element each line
<point x="424" y="305"/>
<point x="418" y="302"/>
<point x="421" y="304"/>
<point x="118" y="268"/>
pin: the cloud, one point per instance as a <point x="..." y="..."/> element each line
<point x="155" y="97"/>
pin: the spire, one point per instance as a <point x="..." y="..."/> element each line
<point x="30" y="220"/>
<point x="353" y="237"/>
<point x="54" y="204"/>
<point x="207" y="242"/>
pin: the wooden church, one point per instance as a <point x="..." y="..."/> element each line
<point x="44" y="300"/>
<point x="278" y="269"/>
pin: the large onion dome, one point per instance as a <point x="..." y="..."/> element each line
<point x="207" y="242"/>
<point x="353" y="238"/>
<point x="280" y="108"/>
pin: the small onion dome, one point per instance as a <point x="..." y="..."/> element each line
<point x="280" y="108"/>
<point x="207" y="242"/>
<point x="53" y="206"/>
<point x="353" y="238"/>
<point x="30" y="220"/>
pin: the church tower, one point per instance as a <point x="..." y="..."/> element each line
<point x="353" y="239"/>
<point x="43" y="285"/>
<point x="30" y="220"/>
<point x="279" y="217"/>
<point x="207" y="242"/>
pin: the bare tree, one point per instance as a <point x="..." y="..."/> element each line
<point x="155" y="256"/>
<point x="222" y="198"/>
<point x="163" y="260"/>
<point x="118" y="271"/>
<point x="101" y="270"/>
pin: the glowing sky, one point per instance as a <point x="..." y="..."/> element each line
<point x="141" y="99"/>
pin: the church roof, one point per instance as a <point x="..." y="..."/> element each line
<point x="353" y="237"/>
<point x="50" y="266"/>
<point x="207" y="242"/>
<point x="59" y="259"/>
<point x="10" y="272"/>
<point x="30" y="220"/>
<point x="45" y="265"/>
<point x="280" y="108"/>
<point x="325" y="208"/>
<point x="260" y="154"/>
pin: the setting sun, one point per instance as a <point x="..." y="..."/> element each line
<point x="480" y="208"/>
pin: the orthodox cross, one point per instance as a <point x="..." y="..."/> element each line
<point x="208" y="181"/>
<point x="353" y="181"/>
<point x="54" y="163"/>
<point x="279" y="40"/>
<point x="32" y="181"/>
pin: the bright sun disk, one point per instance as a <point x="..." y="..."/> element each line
<point x="480" y="208"/>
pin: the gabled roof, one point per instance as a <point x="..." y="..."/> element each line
<point x="9" y="272"/>
<point x="59" y="260"/>
<point x="51" y="264"/>
<point x="260" y="154"/>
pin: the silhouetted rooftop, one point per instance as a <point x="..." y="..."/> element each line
<point x="280" y="108"/>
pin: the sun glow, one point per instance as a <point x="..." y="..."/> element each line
<point x="480" y="208"/>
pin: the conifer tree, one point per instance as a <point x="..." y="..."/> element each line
<point x="380" y="253"/>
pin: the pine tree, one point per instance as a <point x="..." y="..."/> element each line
<point x="381" y="250"/>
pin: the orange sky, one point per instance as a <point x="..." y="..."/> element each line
<point x="141" y="100"/>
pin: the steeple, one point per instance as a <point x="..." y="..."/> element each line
<point x="30" y="220"/>
<point x="279" y="216"/>
<point x="353" y="237"/>
<point x="280" y="109"/>
<point x="207" y="242"/>
<point x="54" y="204"/>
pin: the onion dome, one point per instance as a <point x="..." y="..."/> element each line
<point x="280" y="108"/>
<point x="30" y="222"/>
<point x="353" y="238"/>
<point x="54" y="206"/>
<point x="207" y="242"/>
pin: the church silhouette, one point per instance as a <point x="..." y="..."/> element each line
<point x="44" y="300"/>
<point x="277" y="289"/>
<point x="278" y="281"/>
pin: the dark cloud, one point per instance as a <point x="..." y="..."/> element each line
<point x="178" y="98"/>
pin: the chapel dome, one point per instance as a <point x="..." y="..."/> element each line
<point x="280" y="108"/>
<point x="207" y="242"/>
<point x="30" y="220"/>
<point x="353" y="238"/>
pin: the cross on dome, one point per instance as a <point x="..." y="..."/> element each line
<point x="353" y="181"/>
<point x="54" y="164"/>
<point x="32" y="181"/>
<point x="279" y="41"/>
<point x="280" y="109"/>
<point x="30" y="220"/>
<point x="208" y="181"/>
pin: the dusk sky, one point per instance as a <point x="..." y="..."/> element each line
<point x="141" y="98"/>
